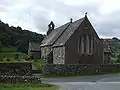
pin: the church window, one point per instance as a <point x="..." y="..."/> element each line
<point x="85" y="44"/>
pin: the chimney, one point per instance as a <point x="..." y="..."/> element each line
<point x="51" y="27"/>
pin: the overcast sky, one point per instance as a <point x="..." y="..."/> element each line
<point x="35" y="15"/>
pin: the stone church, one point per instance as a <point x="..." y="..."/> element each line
<point x="73" y="43"/>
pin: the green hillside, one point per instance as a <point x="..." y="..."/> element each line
<point x="114" y="44"/>
<point x="16" y="37"/>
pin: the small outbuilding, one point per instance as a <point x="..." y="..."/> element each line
<point x="34" y="50"/>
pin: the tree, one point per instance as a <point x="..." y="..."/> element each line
<point x="118" y="58"/>
<point x="19" y="28"/>
<point x="114" y="38"/>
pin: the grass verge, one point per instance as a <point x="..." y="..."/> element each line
<point x="40" y="86"/>
<point x="12" y="55"/>
<point x="8" y="49"/>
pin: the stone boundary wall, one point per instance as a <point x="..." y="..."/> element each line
<point x="79" y="68"/>
<point x="17" y="73"/>
<point x="15" y="69"/>
<point x="20" y="79"/>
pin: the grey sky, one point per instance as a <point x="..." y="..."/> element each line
<point x="36" y="14"/>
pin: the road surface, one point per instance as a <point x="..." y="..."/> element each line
<point x="98" y="82"/>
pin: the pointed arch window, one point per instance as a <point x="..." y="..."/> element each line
<point x="85" y="44"/>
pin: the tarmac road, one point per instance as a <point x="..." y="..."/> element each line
<point x="98" y="82"/>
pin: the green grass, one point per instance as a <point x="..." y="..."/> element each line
<point x="12" y="55"/>
<point x="17" y="62"/>
<point x="9" y="49"/>
<point x="10" y="52"/>
<point x="38" y="64"/>
<point x="27" y="87"/>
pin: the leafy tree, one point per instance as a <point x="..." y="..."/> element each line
<point x="118" y="59"/>
<point x="114" y="38"/>
<point x="19" y="28"/>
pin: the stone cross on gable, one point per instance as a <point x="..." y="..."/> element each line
<point x="86" y="14"/>
<point x="71" y="20"/>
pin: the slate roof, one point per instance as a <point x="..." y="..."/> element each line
<point x="60" y="35"/>
<point x="34" y="46"/>
<point x="68" y="32"/>
<point x="54" y="35"/>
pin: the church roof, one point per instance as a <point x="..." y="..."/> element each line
<point x="68" y="32"/>
<point x="54" y="35"/>
<point x="60" y="35"/>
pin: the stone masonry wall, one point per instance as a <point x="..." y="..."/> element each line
<point x="59" y="55"/>
<point x="15" y="69"/>
<point x="17" y="73"/>
<point x="20" y="79"/>
<point x="79" y="68"/>
<point x="45" y="51"/>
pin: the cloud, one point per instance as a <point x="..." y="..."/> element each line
<point x="35" y="15"/>
<point x="109" y="24"/>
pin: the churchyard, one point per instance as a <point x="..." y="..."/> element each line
<point x="16" y="72"/>
<point x="18" y="76"/>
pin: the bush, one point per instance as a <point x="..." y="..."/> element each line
<point x="7" y="59"/>
<point x="118" y="60"/>
<point x="38" y="64"/>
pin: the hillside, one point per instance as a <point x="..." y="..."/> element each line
<point x="114" y="44"/>
<point x="16" y="37"/>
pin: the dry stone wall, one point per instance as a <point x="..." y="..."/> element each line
<point x="15" y="69"/>
<point x="79" y="68"/>
<point x="19" y="79"/>
<point x="17" y="73"/>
